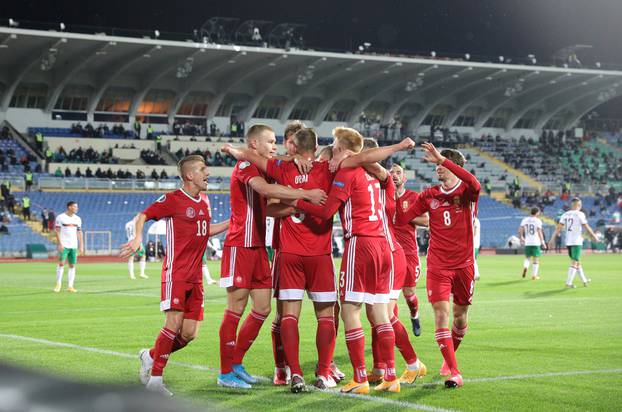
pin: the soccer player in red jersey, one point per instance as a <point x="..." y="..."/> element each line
<point x="452" y="206"/>
<point x="305" y="260"/>
<point x="414" y="367"/>
<point x="245" y="270"/>
<point x="406" y="235"/>
<point x="365" y="269"/>
<point x="188" y="227"/>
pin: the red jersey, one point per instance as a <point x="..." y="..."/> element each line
<point x="406" y="233"/>
<point x="361" y="211"/>
<point x="301" y="233"/>
<point x="247" y="226"/>
<point x="451" y="219"/>
<point x="187" y="231"/>
<point x="387" y="196"/>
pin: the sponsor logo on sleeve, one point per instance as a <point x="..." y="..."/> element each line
<point x="161" y="199"/>
<point x="244" y="165"/>
<point x="339" y="184"/>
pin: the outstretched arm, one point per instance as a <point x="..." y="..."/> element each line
<point x="259" y="184"/>
<point x="218" y="228"/>
<point x="434" y="156"/>
<point x="244" y="153"/>
<point x="277" y="209"/>
<point x="374" y="155"/>
<point x="423" y="220"/>
<point x="132" y="246"/>
<point x="325" y="212"/>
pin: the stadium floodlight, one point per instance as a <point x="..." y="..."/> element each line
<point x="62" y="26"/>
<point x="13" y="23"/>
<point x="433" y="53"/>
<point x="501" y="59"/>
<point x="156" y="33"/>
<point x="598" y="64"/>
<point x="467" y="56"/>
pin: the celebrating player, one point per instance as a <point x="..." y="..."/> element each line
<point x="574" y="223"/>
<point x="530" y="234"/>
<point x="452" y="206"/>
<point x="188" y="215"/>
<point x="70" y="241"/>
<point x="130" y="232"/>
<point x="245" y="269"/>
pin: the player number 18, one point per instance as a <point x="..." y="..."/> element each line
<point x="201" y="227"/>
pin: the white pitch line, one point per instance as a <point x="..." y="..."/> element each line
<point x="387" y="401"/>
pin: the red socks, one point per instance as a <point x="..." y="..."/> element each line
<point x="277" y="343"/>
<point x="290" y="337"/>
<point x="402" y="341"/>
<point x="413" y="305"/>
<point x="355" y="341"/>
<point x="375" y="350"/>
<point x="457" y="335"/>
<point x="325" y="342"/>
<point x="228" y="329"/>
<point x="248" y="333"/>
<point x="446" y="345"/>
<point x="162" y="350"/>
<point x="386" y="343"/>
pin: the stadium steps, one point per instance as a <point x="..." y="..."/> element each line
<point x="521" y="175"/>
<point x="36" y="226"/>
<point x="500" y="197"/>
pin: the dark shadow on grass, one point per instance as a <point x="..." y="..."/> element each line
<point x="506" y="283"/>
<point x="546" y="293"/>
<point x="45" y="292"/>
<point x="101" y="292"/>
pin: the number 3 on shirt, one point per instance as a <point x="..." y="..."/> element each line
<point x="201" y="227"/>
<point x="370" y="188"/>
<point x="447" y="218"/>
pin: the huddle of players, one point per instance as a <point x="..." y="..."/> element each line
<point x="378" y="218"/>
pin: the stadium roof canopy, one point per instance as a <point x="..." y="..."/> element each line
<point x="412" y="88"/>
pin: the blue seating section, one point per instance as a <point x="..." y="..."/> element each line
<point x="21" y="234"/>
<point x="64" y="132"/>
<point x="559" y="206"/>
<point x="20" y="152"/>
<point x="110" y="211"/>
<point x="498" y="221"/>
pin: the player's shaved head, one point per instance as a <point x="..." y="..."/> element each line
<point x="188" y="164"/>
<point x="576" y="203"/>
<point x="256" y="130"/>
<point x="369" y="143"/>
<point x="455" y="156"/>
<point x="348" y="138"/>
<point x="305" y="140"/>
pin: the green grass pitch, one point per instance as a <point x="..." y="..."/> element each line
<point x="531" y="345"/>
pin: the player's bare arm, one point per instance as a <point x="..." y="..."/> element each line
<point x="423" y="220"/>
<point x="541" y="235"/>
<point x="132" y="246"/>
<point x="259" y="184"/>
<point x="372" y="156"/>
<point x="59" y="246"/>
<point x="589" y="230"/>
<point x="277" y="209"/>
<point x="80" y="242"/>
<point x="218" y="228"/>
<point x="521" y="235"/>
<point x="243" y="153"/>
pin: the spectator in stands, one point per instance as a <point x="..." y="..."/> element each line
<point x="161" y="253"/>
<point x="150" y="132"/>
<point x="137" y="127"/>
<point x="67" y="172"/>
<point x="58" y="172"/>
<point x="5" y="188"/>
<point x="52" y="220"/>
<point x="3" y="229"/>
<point x="212" y="128"/>
<point x="154" y="174"/>
<point x="163" y="174"/>
<point x="26" y="207"/>
<point x="45" y="221"/>
<point x="78" y="172"/>
<point x="39" y="141"/>
<point x="151" y="251"/>
<point x="140" y="174"/>
<point x="88" y="172"/>
<point x="109" y="174"/>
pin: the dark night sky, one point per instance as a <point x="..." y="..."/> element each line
<point x="480" y="27"/>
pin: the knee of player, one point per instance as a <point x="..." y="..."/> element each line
<point x="188" y="336"/>
<point x="264" y="309"/>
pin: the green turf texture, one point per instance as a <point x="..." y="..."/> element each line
<point x="517" y="327"/>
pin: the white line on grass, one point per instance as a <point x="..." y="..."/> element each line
<point x="386" y="401"/>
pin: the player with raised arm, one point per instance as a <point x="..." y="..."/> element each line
<point x="305" y="260"/>
<point x="130" y="232"/>
<point x="245" y="269"/>
<point x="70" y="242"/>
<point x="187" y="215"/>
<point x="366" y="267"/>
<point x="574" y="222"/>
<point x="452" y="205"/>
<point x="406" y="235"/>
<point x="531" y="235"/>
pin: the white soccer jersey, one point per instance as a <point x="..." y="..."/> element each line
<point x="69" y="226"/>
<point x="530" y="226"/>
<point x="476" y="233"/>
<point x="573" y="221"/>
<point x="130" y="230"/>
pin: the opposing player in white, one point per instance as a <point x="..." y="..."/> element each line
<point x="68" y="227"/>
<point x="574" y="223"/>
<point x="530" y="234"/>
<point x="130" y="231"/>
<point x="476" y="244"/>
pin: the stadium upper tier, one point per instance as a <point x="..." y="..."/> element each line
<point x="95" y="77"/>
